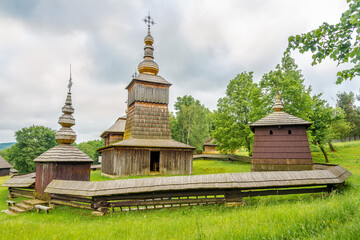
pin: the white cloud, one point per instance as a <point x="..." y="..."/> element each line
<point x="199" y="45"/>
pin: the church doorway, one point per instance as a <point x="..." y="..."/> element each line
<point x="154" y="161"/>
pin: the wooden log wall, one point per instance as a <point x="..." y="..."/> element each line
<point x="136" y="161"/>
<point x="155" y="200"/>
<point x="21" y="192"/>
<point x="147" y="92"/>
<point x="4" y="171"/>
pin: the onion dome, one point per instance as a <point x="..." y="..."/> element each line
<point x="278" y="107"/>
<point x="148" y="65"/>
<point x="65" y="135"/>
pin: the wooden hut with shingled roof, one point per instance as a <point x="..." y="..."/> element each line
<point x="281" y="142"/>
<point x="147" y="146"/>
<point x="115" y="132"/>
<point x="64" y="161"/>
<point x="4" y="167"/>
<point x="210" y="146"/>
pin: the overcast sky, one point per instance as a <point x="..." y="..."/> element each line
<point x="199" y="46"/>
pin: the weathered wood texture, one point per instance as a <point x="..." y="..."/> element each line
<point x="210" y="148"/>
<point x="4" y="171"/>
<point x="147" y="121"/>
<point x="148" y="92"/>
<point x="281" y="148"/>
<point x="248" y="180"/>
<point x="179" y="198"/>
<point x="21" y="192"/>
<point x="46" y="172"/>
<point x="136" y="161"/>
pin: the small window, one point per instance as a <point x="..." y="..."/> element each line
<point x="289" y="132"/>
<point x="271" y="132"/>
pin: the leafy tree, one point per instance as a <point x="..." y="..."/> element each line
<point x="31" y="142"/>
<point x="241" y="106"/>
<point x="90" y="148"/>
<point x="346" y="101"/>
<point x="323" y="119"/>
<point x="340" y="128"/>
<point x="340" y="42"/>
<point x="191" y="124"/>
<point x="295" y="96"/>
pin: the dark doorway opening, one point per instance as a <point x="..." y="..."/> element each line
<point x="154" y="161"/>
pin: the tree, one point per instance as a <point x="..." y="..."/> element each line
<point x="322" y="118"/>
<point x="340" y="42"/>
<point x="294" y="94"/>
<point x="346" y="101"/>
<point x="241" y="106"/>
<point x="31" y="142"/>
<point x="90" y="148"/>
<point x="191" y="124"/>
<point x="340" y="128"/>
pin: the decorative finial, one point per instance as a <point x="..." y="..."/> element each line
<point x="65" y="135"/>
<point x="70" y="82"/>
<point x="148" y="65"/>
<point x="149" y="21"/>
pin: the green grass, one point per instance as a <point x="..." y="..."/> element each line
<point x="307" y="216"/>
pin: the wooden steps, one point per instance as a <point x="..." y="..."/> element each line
<point x="8" y="212"/>
<point x="17" y="209"/>
<point x="24" y="206"/>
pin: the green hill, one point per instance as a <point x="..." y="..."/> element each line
<point x="6" y="145"/>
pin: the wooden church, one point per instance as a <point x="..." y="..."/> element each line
<point x="64" y="161"/>
<point x="147" y="146"/>
<point x="281" y="142"/>
<point x="115" y="132"/>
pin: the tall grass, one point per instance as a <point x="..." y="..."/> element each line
<point x="307" y="216"/>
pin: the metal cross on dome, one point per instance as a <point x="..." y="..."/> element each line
<point x="149" y="21"/>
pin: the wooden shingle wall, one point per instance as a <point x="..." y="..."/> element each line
<point x="147" y="121"/>
<point x="281" y="148"/>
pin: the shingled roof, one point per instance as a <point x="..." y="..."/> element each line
<point x="117" y="127"/>
<point x="4" y="163"/>
<point x="280" y="119"/>
<point x="149" y="78"/>
<point x="63" y="153"/>
<point x="161" y="143"/>
<point x="24" y="180"/>
<point x="248" y="180"/>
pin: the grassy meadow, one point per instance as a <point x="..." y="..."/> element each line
<point x="307" y="216"/>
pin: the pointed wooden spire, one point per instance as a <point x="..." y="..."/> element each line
<point x="65" y="135"/>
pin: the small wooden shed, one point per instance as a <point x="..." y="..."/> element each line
<point x="4" y="167"/>
<point x="115" y="132"/>
<point x="64" y="161"/>
<point x="147" y="147"/>
<point x="281" y="142"/>
<point x="210" y="146"/>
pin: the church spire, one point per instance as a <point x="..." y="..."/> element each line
<point x="65" y="135"/>
<point x="148" y="65"/>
